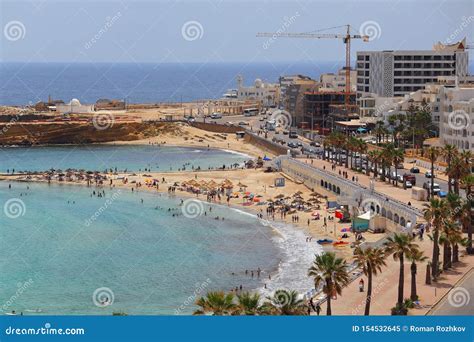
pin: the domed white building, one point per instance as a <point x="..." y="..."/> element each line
<point x="267" y="93"/>
<point x="74" y="107"/>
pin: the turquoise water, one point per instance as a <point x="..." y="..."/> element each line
<point x="65" y="244"/>
<point x="101" y="157"/>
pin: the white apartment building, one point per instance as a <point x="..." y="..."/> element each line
<point x="268" y="94"/>
<point x="456" y="125"/>
<point x="396" y="73"/>
<point x="337" y="82"/>
<point x="450" y="102"/>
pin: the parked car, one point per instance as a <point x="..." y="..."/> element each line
<point x="292" y="144"/>
<point x="315" y="144"/>
<point x="415" y="170"/>
<point x="243" y="123"/>
<point x="286" y="132"/>
<point x="410" y="178"/>
<point x="429" y="175"/>
<point x="408" y="184"/>
<point x="436" y="188"/>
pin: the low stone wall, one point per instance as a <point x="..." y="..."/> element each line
<point x="427" y="165"/>
<point x="348" y="193"/>
<point x="216" y="128"/>
<point x="265" y="144"/>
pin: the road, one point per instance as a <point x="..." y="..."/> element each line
<point x="460" y="300"/>
<point x="254" y="123"/>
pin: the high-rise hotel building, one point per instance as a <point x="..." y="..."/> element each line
<point x="396" y="73"/>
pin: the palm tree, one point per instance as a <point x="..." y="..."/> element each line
<point x="400" y="245"/>
<point x="397" y="158"/>
<point x="371" y="261"/>
<point x="249" y="304"/>
<point x="468" y="182"/>
<point x="352" y="146"/>
<point x="448" y="152"/>
<point x="331" y="272"/>
<point x="449" y="234"/>
<point x="286" y="303"/>
<point x="387" y="159"/>
<point x="453" y="237"/>
<point x="415" y="256"/>
<point x="434" y="213"/>
<point x="433" y="153"/>
<point x="455" y="171"/>
<point x="373" y="157"/>
<point x="216" y="302"/>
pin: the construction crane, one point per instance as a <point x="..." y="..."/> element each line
<point x="346" y="39"/>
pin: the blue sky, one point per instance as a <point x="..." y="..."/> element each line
<point x="218" y="31"/>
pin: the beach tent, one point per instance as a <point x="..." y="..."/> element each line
<point x="361" y="222"/>
<point x="266" y="158"/>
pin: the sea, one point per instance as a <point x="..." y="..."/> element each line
<point x="64" y="250"/>
<point x="28" y="83"/>
<point x="121" y="158"/>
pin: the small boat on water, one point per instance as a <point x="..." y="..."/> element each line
<point x="324" y="241"/>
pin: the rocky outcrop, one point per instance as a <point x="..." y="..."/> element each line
<point x="79" y="132"/>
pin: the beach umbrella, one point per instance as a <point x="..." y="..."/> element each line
<point x="241" y="185"/>
<point x="280" y="196"/>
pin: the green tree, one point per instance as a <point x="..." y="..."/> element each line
<point x="434" y="213"/>
<point x="416" y="256"/>
<point x="285" y="303"/>
<point x="249" y="304"/>
<point x="400" y="245"/>
<point x="370" y="260"/>
<point x="217" y="303"/>
<point x="331" y="272"/>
